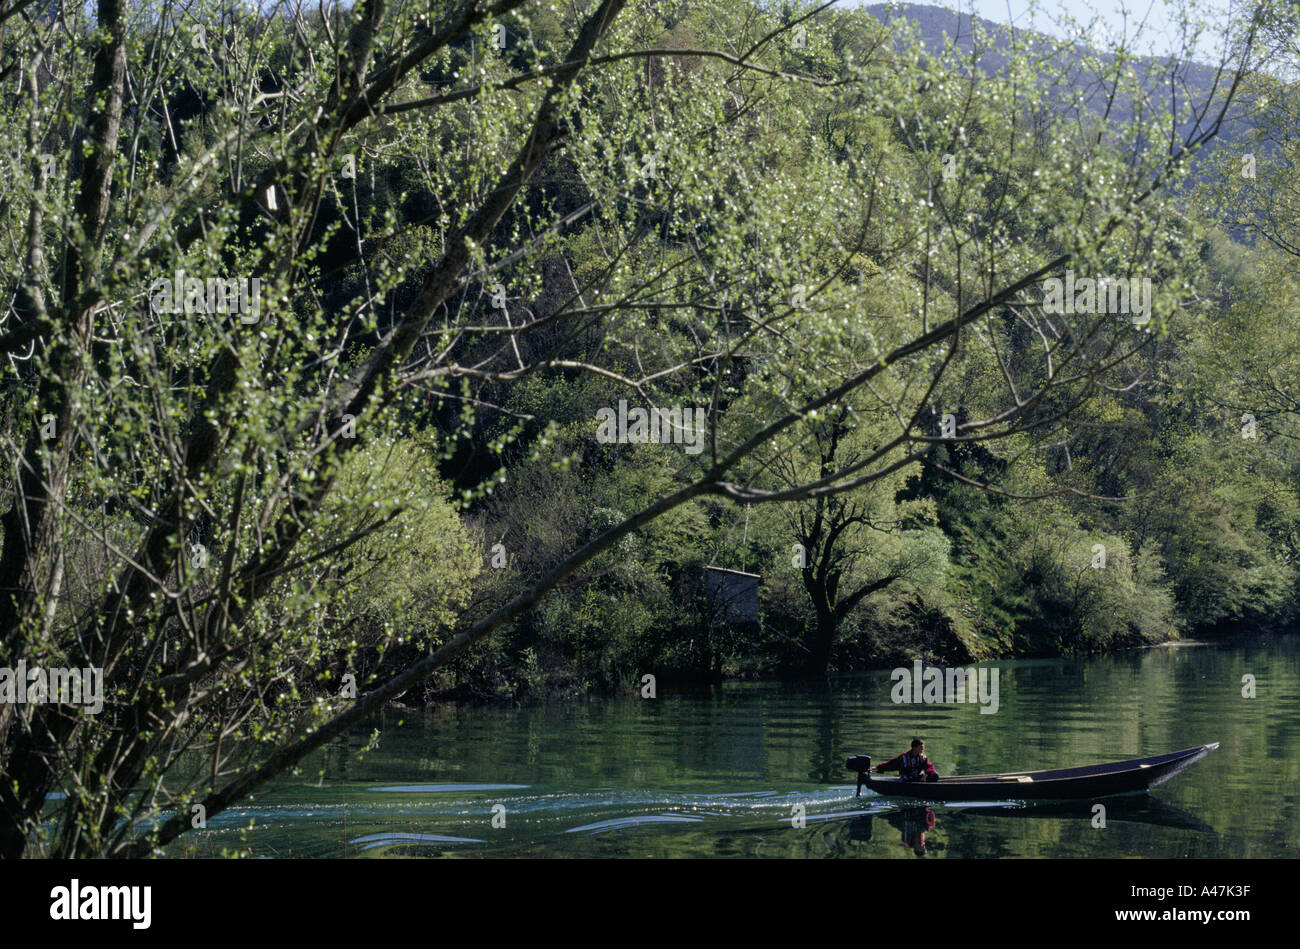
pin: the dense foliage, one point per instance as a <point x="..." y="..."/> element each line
<point x="330" y="333"/>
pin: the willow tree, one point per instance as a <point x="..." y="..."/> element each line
<point x="219" y="293"/>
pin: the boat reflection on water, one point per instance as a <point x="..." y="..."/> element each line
<point x="1132" y="809"/>
<point x="912" y="824"/>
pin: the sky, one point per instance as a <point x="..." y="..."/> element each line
<point x="1159" y="37"/>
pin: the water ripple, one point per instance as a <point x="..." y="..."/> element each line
<point x="620" y="822"/>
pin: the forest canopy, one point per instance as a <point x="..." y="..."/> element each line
<point x="399" y="351"/>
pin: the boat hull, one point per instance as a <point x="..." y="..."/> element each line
<point x="1101" y="780"/>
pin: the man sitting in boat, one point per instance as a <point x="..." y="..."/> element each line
<point x="911" y="765"/>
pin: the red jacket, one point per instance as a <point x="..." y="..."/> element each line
<point x="913" y="767"/>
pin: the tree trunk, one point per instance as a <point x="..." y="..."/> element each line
<point x="823" y="637"/>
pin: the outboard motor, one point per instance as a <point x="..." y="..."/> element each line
<point x="861" y="764"/>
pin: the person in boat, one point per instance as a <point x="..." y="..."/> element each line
<point x="911" y="765"/>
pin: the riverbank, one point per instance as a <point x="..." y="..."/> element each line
<point x="554" y="681"/>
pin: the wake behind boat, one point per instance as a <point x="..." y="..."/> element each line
<point x="1096" y="780"/>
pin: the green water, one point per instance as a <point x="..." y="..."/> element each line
<point x="729" y="770"/>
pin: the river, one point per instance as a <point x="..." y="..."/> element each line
<point x="756" y="769"/>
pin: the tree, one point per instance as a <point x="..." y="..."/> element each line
<point x="850" y="545"/>
<point x="223" y="289"/>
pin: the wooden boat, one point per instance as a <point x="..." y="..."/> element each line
<point x="1094" y="780"/>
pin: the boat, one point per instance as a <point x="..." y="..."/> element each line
<point x="1089" y="781"/>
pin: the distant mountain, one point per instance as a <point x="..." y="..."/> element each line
<point x="1195" y="81"/>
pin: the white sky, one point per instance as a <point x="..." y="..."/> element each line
<point x="1160" y="35"/>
